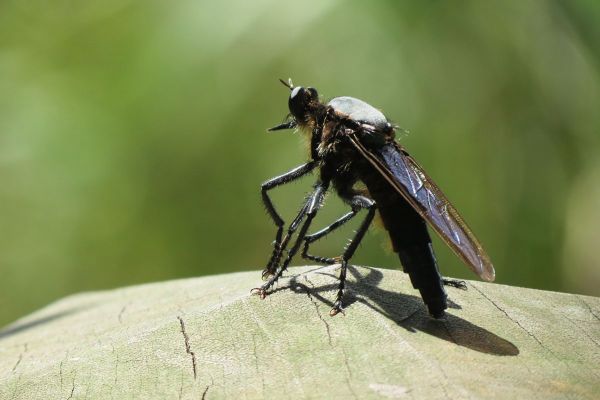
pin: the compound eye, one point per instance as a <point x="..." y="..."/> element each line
<point x="313" y="93"/>
<point x="296" y="92"/>
<point x="297" y="102"/>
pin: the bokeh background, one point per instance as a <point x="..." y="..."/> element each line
<point x="133" y="143"/>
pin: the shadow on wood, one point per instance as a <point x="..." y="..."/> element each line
<point x="367" y="291"/>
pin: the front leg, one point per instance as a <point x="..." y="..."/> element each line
<point x="277" y="220"/>
<point x="309" y="210"/>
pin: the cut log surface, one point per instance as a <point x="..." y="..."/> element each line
<point x="208" y="338"/>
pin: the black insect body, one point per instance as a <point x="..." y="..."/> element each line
<point x="352" y="142"/>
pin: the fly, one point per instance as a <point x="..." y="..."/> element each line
<point x="353" y="143"/>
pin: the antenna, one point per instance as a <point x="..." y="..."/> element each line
<point x="287" y="84"/>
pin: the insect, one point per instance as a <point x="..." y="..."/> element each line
<point x="353" y="147"/>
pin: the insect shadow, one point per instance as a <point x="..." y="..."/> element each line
<point x="406" y="311"/>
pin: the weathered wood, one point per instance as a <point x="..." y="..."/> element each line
<point x="208" y="338"/>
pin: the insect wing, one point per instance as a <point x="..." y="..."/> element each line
<point x="409" y="179"/>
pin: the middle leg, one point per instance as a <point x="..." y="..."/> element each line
<point x="357" y="202"/>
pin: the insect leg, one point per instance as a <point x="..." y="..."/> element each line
<point x="309" y="211"/>
<point x="369" y="204"/>
<point x="284" y="242"/>
<point x="323" y="232"/>
<point x="265" y="187"/>
<point x="462" y="285"/>
<point x="357" y="202"/>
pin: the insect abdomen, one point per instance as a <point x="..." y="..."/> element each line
<point x="410" y="239"/>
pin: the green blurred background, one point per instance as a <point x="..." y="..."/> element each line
<point x="133" y="144"/>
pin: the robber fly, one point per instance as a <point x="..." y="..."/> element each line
<point x="351" y="143"/>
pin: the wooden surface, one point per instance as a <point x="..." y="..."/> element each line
<point x="208" y="338"/>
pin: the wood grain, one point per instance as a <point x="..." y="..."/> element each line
<point x="208" y="338"/>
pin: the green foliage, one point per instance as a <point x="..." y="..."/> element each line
<point x="132" y="134"/>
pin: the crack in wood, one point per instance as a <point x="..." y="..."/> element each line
<point x="120" y="316"/>
<point x="25" y="348"/>
<point x="72" y="388"/>
<point x="348" y="374"/>
<point x="205" y="392"/>
<point x="188" y="349"/>
<point x="312" y="300"/>
<point x="518" y="323"/>
<point x="181" y="387"/>
<point x="590" y="309"/>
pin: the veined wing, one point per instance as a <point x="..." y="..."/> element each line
<point x="410" y="180"/>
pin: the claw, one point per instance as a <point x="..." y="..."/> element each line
<point x="259" y="291"/>
<point x="462" y="285"/>
<point x="337" y="308"/>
